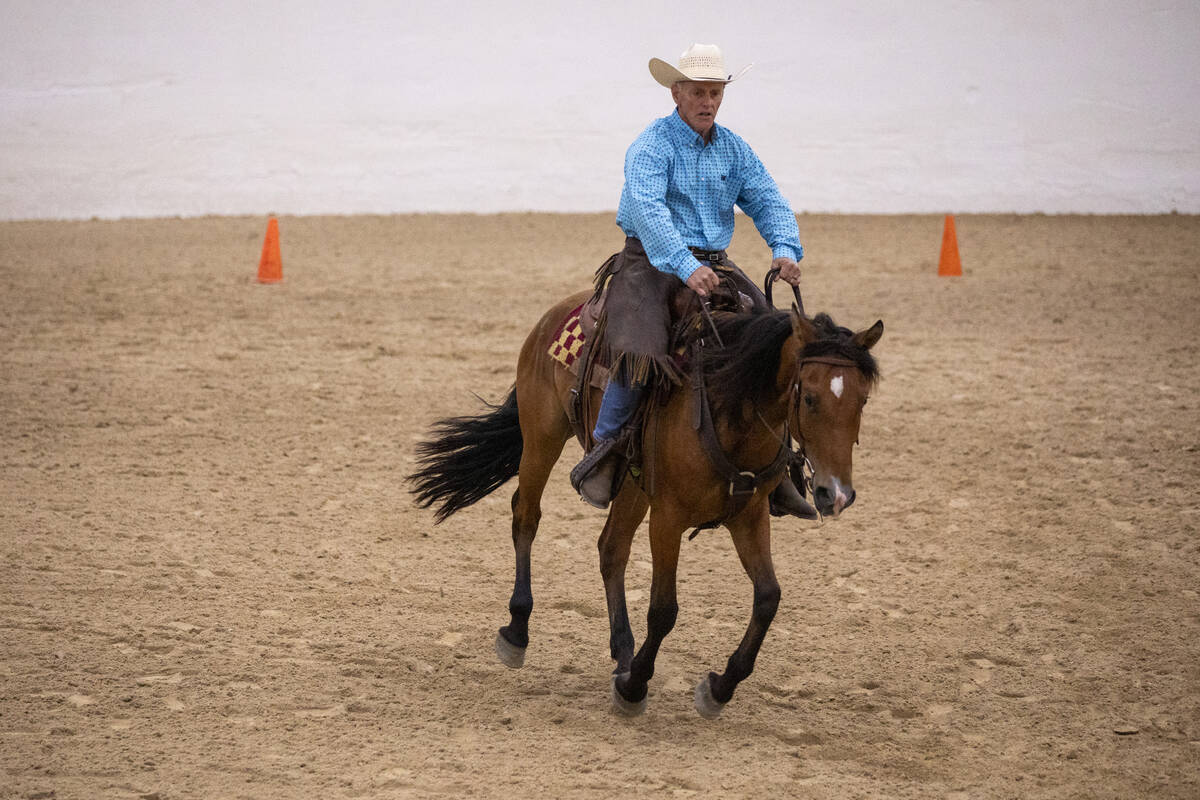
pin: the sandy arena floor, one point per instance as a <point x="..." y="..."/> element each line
<point x="213" y="583"/>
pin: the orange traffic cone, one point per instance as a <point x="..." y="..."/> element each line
<point x="270" y="266"/>
<point x="949" y="263"/>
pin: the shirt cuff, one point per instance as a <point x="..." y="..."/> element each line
<point x="788" y="251"/>
<point x="687" y="268"/>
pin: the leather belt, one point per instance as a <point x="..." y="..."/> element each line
<point x="709" y="256"/>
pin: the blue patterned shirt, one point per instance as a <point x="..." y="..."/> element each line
<point x="680" y="193"/>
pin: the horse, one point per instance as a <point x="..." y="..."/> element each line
<point x="774" y="375"/>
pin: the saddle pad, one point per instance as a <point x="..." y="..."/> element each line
<point x="568" y="340"/>
<point x="566" y="344"/>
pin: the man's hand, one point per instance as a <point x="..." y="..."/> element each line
<point x="704" y="280"/>
<point x="789" y="270"/>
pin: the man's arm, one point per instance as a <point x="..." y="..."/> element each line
<point x="646" y="194"/>
<point x="761" y="200"/>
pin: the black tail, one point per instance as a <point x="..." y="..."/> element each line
<point x="468" y="458"/>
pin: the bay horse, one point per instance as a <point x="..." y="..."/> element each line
<point x="776" y="373"/>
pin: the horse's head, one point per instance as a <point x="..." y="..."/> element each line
<point x="834" y="374"/>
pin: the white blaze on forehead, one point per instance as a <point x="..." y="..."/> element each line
<point x="835" y="386"/>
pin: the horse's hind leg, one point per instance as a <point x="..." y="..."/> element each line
<point x="752" y="538"/>
<point x="543" y="444"/>
<point x="627" y="512"/>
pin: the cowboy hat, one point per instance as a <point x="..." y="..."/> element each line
<point x="700" y="62"/>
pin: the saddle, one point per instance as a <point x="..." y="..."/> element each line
<point x="577" y="346"/>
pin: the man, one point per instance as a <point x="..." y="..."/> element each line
<point x="683" y="176"/>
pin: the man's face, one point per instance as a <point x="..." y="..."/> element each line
<point x="698" y="102"/>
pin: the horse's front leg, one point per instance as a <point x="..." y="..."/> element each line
<point x="627" y="512"/>
<point x="751" y="531"/>
<point x="629" y="688"/>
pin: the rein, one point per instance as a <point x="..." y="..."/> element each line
<point x="769" y="281"/>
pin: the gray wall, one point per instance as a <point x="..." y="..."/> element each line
<point x="164" y="108"/>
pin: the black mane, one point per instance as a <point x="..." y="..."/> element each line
<point x="741" y="372"/>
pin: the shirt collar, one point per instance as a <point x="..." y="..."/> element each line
<point x="683" y="133"/>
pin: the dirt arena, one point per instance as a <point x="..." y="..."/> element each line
<point x="213" y="583"/>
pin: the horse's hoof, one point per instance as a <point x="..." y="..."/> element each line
<point x="707" y="706"/>
<point x="510" y="655"/>
<point x="623" y="706"/>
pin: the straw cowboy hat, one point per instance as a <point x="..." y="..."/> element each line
<point x="700" y="62"/>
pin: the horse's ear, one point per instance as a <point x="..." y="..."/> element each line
<point x="802" y="327"/>
<point x="867" y="339"/>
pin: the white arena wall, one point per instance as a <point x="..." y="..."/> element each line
<point x="140" y="109"/>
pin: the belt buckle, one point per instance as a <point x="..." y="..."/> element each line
<point x="733" y="488"/>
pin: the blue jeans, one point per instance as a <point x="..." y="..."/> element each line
<point x="616" y="408"/>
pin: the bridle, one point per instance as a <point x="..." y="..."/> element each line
<point x="742" y="484"/>
<point x="836" y="361"/>
<point x="807" y="472"/>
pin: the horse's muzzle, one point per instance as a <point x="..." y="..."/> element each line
<point x="830" y="502"/>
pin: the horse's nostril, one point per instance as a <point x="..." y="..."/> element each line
<point x="826" y="499"/>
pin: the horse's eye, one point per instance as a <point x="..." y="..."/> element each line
<point x="810" y="401"/>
